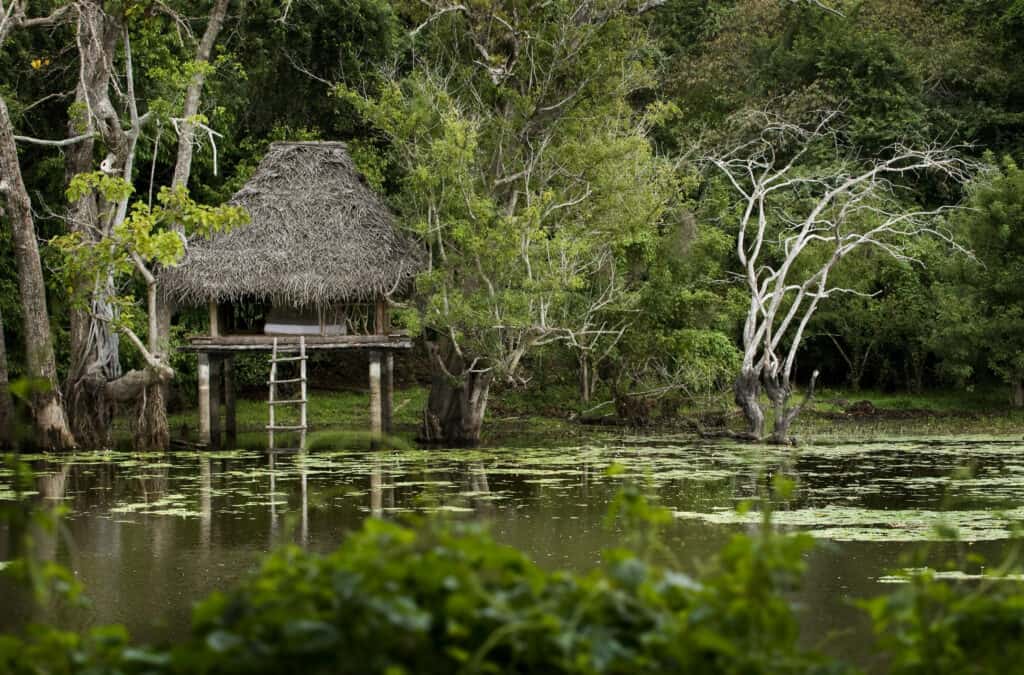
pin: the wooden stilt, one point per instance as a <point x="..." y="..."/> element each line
<point x="388" y="404"/>
<point x="376" y="420"/>
<point x="214" y="319"/>
<point x="230" y="420"/>
<point x="380" y="317"/>
<point x="215" y="387"/>
<point x="204" y="398"/>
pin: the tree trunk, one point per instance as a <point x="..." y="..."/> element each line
<point x="94" y="346"/>
<point x="6" y="404"/>
<point x="1017" y="393"/>
<point x="856" y="364"/>
<point x="95" y="382"/>
<point x="585" y="390"/>
<point x="156" y="401"/>
<point x="780" y="393"/>
<point x="48" y="412"/>
<point x="186" y="129"/>
<point x="747" y="393"/>
<point x="457" y="402"/>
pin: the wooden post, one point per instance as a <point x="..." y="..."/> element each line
<point x="230" y="420"/>
<point x="380" y="323"/>
<point x="376" y="421"/>
<point x="388" y="404"/>
<point x="215" y="387"/>
<point x="204" y="398"/>
<point x="214" y="319"/>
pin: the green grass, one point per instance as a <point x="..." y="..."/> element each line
<point x="350" y="409"/>
<point x="949" y="412"/>
<point x="986" y="400"/>
<point x="523" y="412"/>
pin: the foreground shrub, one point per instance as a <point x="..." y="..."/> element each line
<point x="930" y="626"/>
<point x="442" y="597"/>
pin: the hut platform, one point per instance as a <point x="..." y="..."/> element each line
<point x="265" y="343"/>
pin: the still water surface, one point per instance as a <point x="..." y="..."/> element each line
<point x="148" y="534"/>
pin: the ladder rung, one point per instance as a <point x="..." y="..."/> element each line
<point x="294" y="379"/>
<point x="294" y="400"/>
<point x="285" y="428"/>
<point x="289" y="358"/>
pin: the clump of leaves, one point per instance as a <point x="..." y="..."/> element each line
<point x="145" y="238"/>
<point x="441" y="596"/>
<point x="939" y="626"/>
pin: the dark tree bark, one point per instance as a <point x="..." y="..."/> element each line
<point x="458" y="399"/>
<point x="95" y="382"/>
<point x="48" y="412"/>
<point x="1017" y="393"/>
<point x="95" y="348"/>
<point x="747" y="390"/>
<point x="779" y="392"/>
<point x="747" y="394"/>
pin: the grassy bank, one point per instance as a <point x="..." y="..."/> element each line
<point x="835" y="414"/>
<point x="350" y="410"/>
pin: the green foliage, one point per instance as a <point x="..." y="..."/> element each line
<point x="111" y="188"/>
<point x="527" y="206"/>
<point x="935" y="627"/>
<point x="982" y="300"/>
<point x="144" y="238"/>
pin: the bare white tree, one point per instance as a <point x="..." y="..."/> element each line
<point x="805" y="205"/>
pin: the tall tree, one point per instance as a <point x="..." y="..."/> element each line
<point x="526" y="172"/>
<point x="47" y="409"/>
<point x="160" y="331"/>
<point x="804" y="206"/>
<point x="983" y="300"/>
<point x="108" y="114"/>
<point x="6" y="403"/>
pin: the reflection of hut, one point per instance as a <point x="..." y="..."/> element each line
<point x="317" y="262"/>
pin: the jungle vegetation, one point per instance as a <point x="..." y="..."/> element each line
<point x="658" y="201"/>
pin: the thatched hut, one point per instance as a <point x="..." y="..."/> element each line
<point x="316" y="265"/>
<point x="319" y="238"/>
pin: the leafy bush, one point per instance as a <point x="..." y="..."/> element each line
<point x="443" y="597"/>
<point x="931" y="626"/>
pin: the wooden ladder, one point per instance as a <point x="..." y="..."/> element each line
<point x="272" y="401"/>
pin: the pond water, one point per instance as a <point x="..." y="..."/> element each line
<point x="148" y="534"/>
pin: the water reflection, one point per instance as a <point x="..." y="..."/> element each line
<point x="150" y="533"/>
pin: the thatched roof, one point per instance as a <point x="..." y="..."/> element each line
<point x="318" y="234"/>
